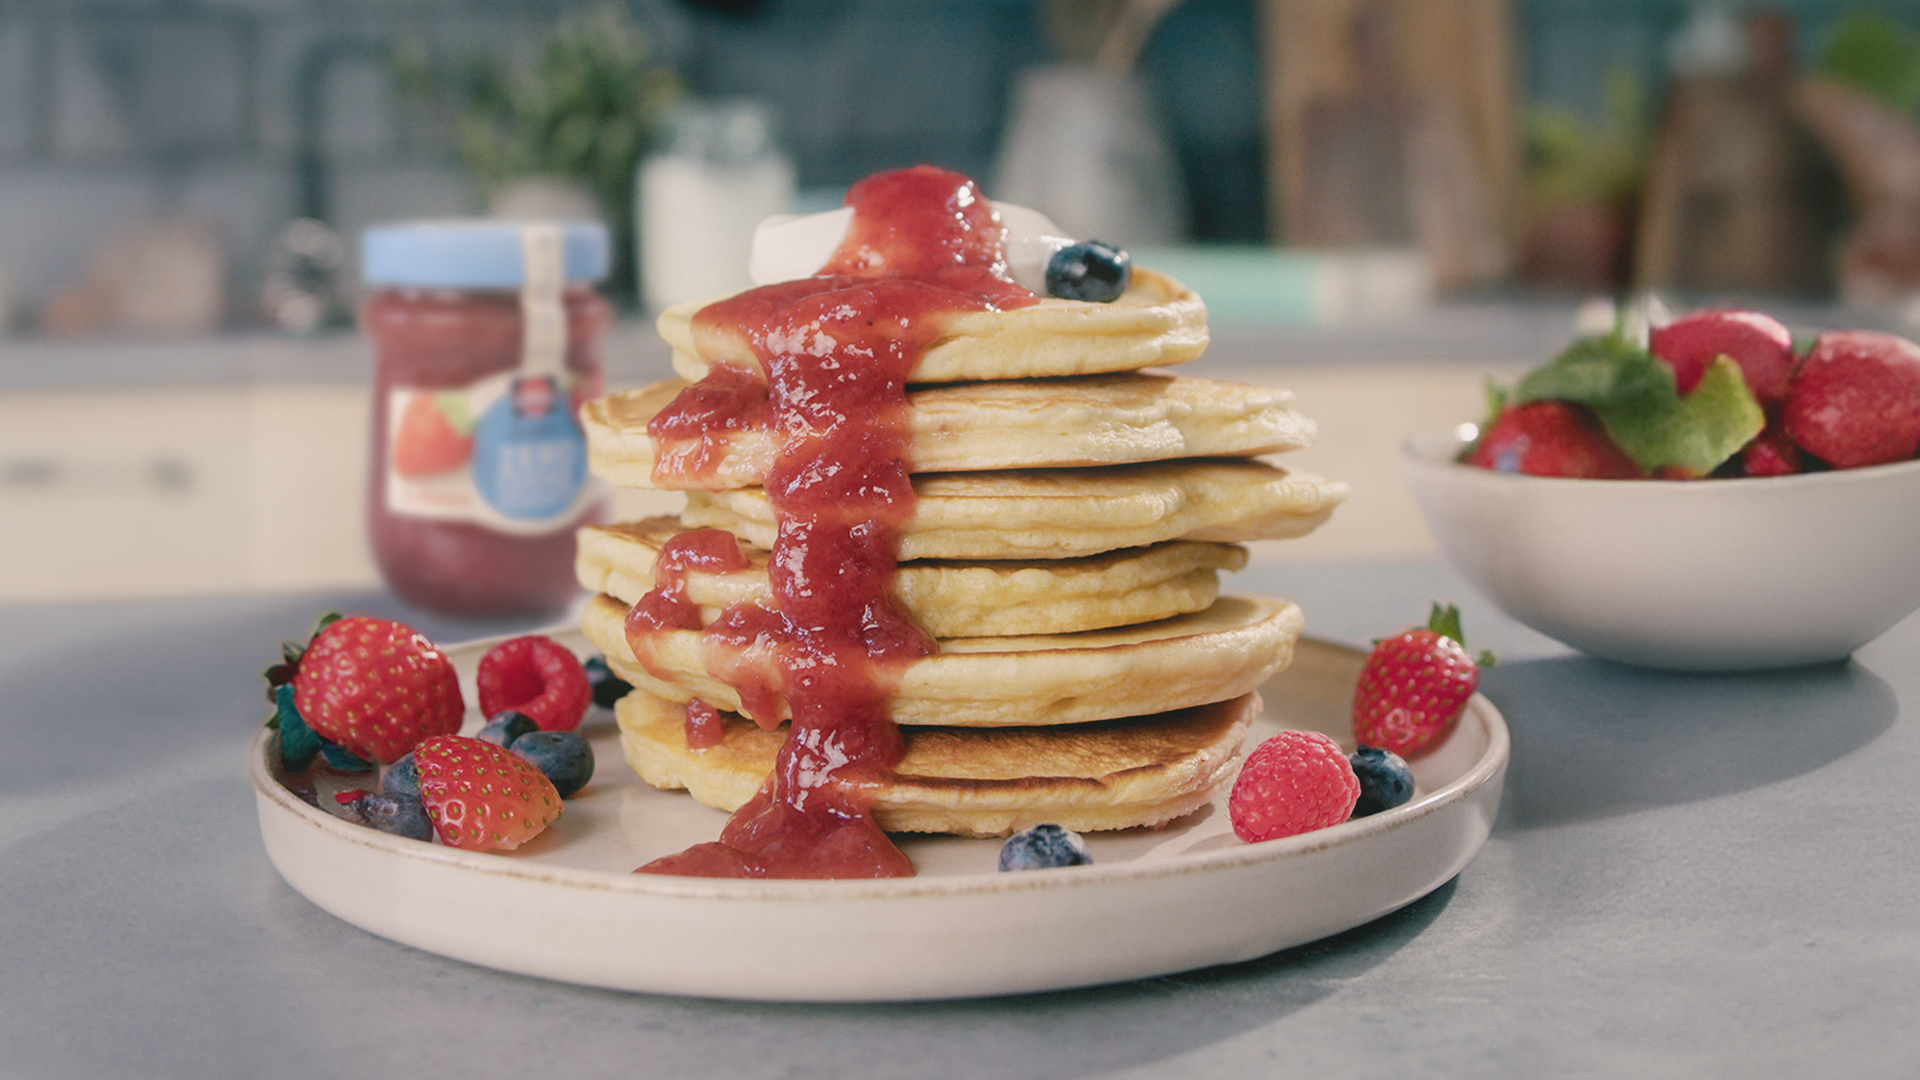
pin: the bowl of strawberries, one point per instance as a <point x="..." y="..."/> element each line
<point x="1705" y="495"/>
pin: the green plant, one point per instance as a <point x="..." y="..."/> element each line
<point x="582" y="112"/>
<point x="1877" y="55"/>
<point x="1571" y="159"/>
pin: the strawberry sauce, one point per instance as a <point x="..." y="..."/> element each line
<point x="667" y="607"/>
<point x="834" y="352"/>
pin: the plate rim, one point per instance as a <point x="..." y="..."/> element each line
<point x="951" y="934"/>
<point x="1491" y="763"/>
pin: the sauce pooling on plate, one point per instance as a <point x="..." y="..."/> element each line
<point x="834" y="352"/>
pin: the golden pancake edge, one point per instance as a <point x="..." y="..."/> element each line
<point x="1074" y="422"/>
<point x="1139" y="771"/>
<point x="948" y="598"/>
<point x="1157" y="322"/>
<point x="1225" y="651"/>
<point x="1061" y="513"/>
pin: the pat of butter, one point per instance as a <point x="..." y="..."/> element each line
<point x="787" y="247"/>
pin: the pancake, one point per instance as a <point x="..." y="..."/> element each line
<point x="967" y="427"/>
<point x="950" y="599"/>
<point x="1222" y="652"/>
<point x="1157" y="322"/>
<point x="1113" y="775"/>
<point x="1062" y="513"/>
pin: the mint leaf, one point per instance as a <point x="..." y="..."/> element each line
<point x="1691" y="434"/>
<point x="1598" y="371"/>
<point x="1633" y="393"/>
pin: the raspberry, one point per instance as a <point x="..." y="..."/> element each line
<point x="535" y="675"/>
<point x="1295" y="782"/>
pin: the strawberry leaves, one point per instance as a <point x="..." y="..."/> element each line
<point x="1634" y="394"/>
<point x="282" y="673"/>
<point x="366" y="688"/>
<point x="1444" y="620"/>
<point x="298" y="742"/>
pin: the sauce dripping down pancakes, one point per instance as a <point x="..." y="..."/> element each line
<point x="834" y="352"/>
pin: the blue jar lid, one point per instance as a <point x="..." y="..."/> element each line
<point x="472" y="253"/>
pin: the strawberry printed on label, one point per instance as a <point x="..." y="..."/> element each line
<point x="435" y="434"/>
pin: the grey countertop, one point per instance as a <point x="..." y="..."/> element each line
<point x="1690" y="876"/>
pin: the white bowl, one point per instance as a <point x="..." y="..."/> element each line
<point x="1706" y="575"/>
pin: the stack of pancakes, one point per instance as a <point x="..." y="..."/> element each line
<point x="1073" y="514"/>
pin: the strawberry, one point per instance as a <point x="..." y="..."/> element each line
<point x="1551" y="438"/>
<point x="1757" y="343"/>
<point x="538" y="676"/>
<point x="433" y="436"/>
<point x="482" y="797"/>
<point x="1294" y="782"/>
<point x="1771" y="453"/>
<point x="376" y="687"/>
<point x="1414" y="685"/>
<point x="1856" y="399"/>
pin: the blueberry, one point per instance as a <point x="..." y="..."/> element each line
<point x="1091" y="271"/>
<point x="505" y="726"/>
<point x="402" y="777"/>
<point x="1043" y="846"/>
<point x="1385" y="780"/>
<point x="565" y="756"/>
<point x="401" y="815"/>
<point x="607" y="687"/>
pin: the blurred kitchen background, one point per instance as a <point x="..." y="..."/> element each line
<point x="1383" y="201"/>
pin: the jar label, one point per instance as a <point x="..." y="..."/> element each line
<point x="506" y="453"/>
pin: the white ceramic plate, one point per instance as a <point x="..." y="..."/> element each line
<point x="566" y="906"/>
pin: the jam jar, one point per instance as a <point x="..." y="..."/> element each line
<point x="487" y="337"/>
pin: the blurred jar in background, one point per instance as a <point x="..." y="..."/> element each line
<point x="719" y="174"/>
<point x="487" y="336"/>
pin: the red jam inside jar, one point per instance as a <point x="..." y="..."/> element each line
<point x="449" y="324"/>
